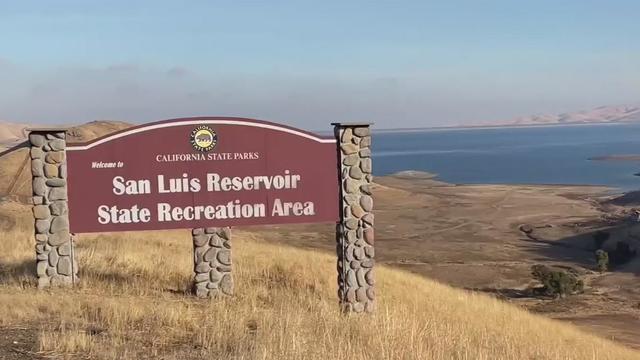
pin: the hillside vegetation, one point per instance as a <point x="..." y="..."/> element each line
<point x="133" y="303"/>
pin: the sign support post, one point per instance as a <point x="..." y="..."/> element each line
<point x="212" y="262"/>
<point x="56" y="265"/>
<point x="354" y="232"/>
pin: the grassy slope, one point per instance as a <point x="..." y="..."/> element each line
<point x="132" y="303"/>
<point x="15" y="169"/>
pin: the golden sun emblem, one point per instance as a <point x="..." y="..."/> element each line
<point x="203" y="138"/>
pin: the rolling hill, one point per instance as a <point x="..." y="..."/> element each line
<point x="602" y="114"/>
<point x="133" y="301"/>
<point x="15" y="175"/>
<point x="11" y="134"/>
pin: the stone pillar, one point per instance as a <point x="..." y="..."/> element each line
<point x="354" y="233"/>
<point x="56" y="263"/>
<point x="212" y="262"/>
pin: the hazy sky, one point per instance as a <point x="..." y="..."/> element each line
<point x="309" y="63"/>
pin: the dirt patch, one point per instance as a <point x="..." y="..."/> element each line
<point x="17" y="343"/>
<point x="617" y="327"/>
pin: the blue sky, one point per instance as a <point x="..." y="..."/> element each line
<point x="398" y="64"/>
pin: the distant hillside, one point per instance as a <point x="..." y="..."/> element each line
<point x="603" y="114"/>
<point x="15" y="176"/>
<point x="94" y="129"/>
<point x="11" y="133"/>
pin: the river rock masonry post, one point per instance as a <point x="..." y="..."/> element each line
<point x="354" y="232"/>
<point x="212" y="262"/>
<point x="55" y="264"/>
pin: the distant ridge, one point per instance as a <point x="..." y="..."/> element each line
<point x="11" y="133"/>
<point x="602" y="114"/>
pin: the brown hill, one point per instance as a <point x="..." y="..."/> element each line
<point x="11" y="134"/>
<point x="15" y="175"/>
<point x="94" y="129"/>
<point x="602" y="114"/>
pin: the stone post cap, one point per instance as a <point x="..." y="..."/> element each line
<point x="352" y="124"/>
<point x="47" y="129"/>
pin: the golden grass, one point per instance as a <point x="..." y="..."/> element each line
<point x="133" y="303"/>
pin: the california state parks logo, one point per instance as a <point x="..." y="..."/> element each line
<point x="203" y="138"/>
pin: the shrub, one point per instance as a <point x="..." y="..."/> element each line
<point x="556" y="282"/>
<point x="602" y="260"/>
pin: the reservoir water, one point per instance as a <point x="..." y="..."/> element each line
<point x="527" y="155"/>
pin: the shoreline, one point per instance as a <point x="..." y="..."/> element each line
<point x="417" y="175"/>
<point x="614" y="157"/>
<point x="483" y="127"/>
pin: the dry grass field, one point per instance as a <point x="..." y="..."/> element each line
<point x="133" y="302"/>
<point x="133" y="299"/>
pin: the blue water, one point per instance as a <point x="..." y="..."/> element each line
<point x="533" y="155"/>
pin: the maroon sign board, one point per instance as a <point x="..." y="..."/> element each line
<point x="202" y="172"/>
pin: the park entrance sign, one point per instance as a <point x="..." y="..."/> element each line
<point x="206" y="174"/>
